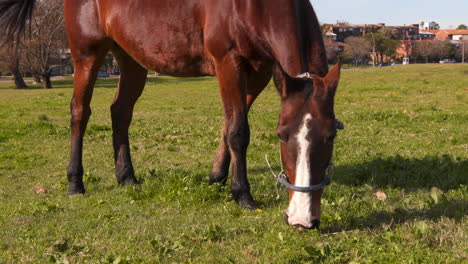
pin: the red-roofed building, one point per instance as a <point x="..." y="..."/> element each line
<point x="450" y="34"/>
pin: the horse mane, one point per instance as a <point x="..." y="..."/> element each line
<point x="302" y="29"/>
<point x="14" y="17"/>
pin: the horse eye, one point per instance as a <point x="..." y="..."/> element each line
<point x="282" y="137"/>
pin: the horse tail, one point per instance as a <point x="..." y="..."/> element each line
<point x="302" y="30"/>
<point x="14" y="17"/>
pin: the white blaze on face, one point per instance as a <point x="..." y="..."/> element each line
<point x="299" y="207"/>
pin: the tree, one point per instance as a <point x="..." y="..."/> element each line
<point x="407" y="47"/>
<point x="388" y="32"/>
<point x="384" y="46"/>
<point x="443" y="49"/>
<point x="357" y="49"/>
<point x="462" y="51"/>
<point x="47" y="38"/>
<point x="423" y="49"/>
<point x="11" y="62"/>
<point x="331" y="49"/>
<point x="462" y="26"/>
<point x="436" y="50"/>
<point x="388" y="47"/>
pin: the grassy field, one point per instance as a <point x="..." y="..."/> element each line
<point x="406" y="136"/>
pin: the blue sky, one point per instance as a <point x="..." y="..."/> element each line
<point x="448" y="13"/>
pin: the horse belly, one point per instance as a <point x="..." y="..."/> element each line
<point x="172" y="54"/>
<point x="182" y="63"/>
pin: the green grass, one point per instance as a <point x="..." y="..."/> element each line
<point x="406" y="135"/>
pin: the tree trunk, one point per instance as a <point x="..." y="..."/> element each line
<point x="426" y="59"/>
<point x="19" y="81"/>
<point x="47" y="82"/>
<point x="37" y="78"/>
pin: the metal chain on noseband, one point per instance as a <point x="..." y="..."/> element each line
<point x="277" y="177"/>
<point x="306" y="76"/>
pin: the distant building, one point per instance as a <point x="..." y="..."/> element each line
<point x="404" y="50"/>
<point x="426" y="35"/>
<point x="345" y="30"/>
<point x="450" y="34"/>
<point x="335" y="35"/>
<point x="330" y="36"/>
<point x="428" y="26"/>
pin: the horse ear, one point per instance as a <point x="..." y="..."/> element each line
<point x="332" y="78"/>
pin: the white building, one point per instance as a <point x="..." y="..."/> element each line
<point x="428" y="26"/>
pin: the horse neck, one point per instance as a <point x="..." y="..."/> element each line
<point x="288" y="34"/>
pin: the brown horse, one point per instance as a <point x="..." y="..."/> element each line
<point x="243" y="42"/>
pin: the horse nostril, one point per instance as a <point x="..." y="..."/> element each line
<point x="315" y="225"/>
<point x="301" y="227"/>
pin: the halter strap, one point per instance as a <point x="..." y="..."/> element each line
<point x="282" y="178"/>
<point x="326" y="181"/>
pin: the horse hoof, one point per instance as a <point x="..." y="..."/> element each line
<point x="217" y="178"/>
<point x="246" y="201"/>
<point x="75" y="189"/>
<point x="129" y="181"/>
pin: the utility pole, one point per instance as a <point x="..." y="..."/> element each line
<point x="463" y="52"/>
<point x="373" y="50"/>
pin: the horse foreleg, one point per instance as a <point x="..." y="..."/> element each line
<point x="232" y="82"/>
<point x="86" y="63"/>
<point x="220" y="171"/>
<point x="131" y="84"/>
<point x="256" y="82"/>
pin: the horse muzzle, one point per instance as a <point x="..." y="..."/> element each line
<point x="302" y="224"/>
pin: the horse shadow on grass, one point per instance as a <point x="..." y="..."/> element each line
<point x="443" y="172"/>
<point x="409" y="174"/>
<point x="454" y="209"/>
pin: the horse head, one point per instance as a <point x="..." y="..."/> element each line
<point x="306" y="128"/>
